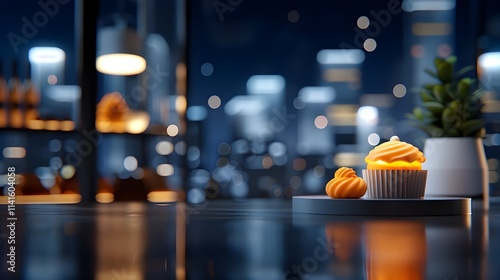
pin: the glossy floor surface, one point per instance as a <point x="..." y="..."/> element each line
<point x="251" y="239"/>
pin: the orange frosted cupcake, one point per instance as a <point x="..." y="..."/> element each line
<point x="394" y="170"/>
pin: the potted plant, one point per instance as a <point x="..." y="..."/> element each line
<point x="450" y="113"/>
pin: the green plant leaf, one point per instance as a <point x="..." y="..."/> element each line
<point x="431" y="73"/>
<point x="439" y="93"/>
<point x="452" y="132"/>
<point x="438" y="61"/>
<point x="411" y="117"/>
<point x="445" y="72"/>
<point x="425" y="96"/>
<point x="463" y="88"/>
<point x="450" y="90"/>
<point x="448" y="118"/>
<point x="471" y="127"/>
<point x="429" y="87"/>
<point x="418" y="113"/>
<point x="478" y="93"/>
<point x="451" y="59"/>
<point x="464" y="70"/>
<point x="434" y="131"/>
<point x="434" y="107"/>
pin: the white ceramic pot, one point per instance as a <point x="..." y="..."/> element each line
<point x="456" y="167"/>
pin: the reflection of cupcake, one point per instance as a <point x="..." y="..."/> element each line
<point x="395" y="250"/>
<point x="394" y="170"/>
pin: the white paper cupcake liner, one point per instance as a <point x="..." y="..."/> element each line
<point x="395" y="183"/>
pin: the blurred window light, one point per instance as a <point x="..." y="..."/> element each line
<point x="223" y="149"/>
<point x="207" y="69"/>
<point x="164" y="148"/>
<point x="317" y="94"/>
<point x="348" y="159"/>
<point x="239" y="190"/>
<point x="172" y="130"/>
<point x="199" y="177"/>
<point x="417" y="51"/>
<point x="493" y="176"/>
<point x="180" y="104"/>
<point x="237" y="179"/>
<point x="399" y="90"/>
<point x="339" y="75"/>
<point x="299" y="164"/>
<point x="52" y="80"/>
<point x="137" y="122"/>
<point x="14" y="152"/>
<point x="293" y="16"/>
<point x="428" y="5"/>
<point x="370" y="45"/>
<point x="130" y="163"/>
<point x="267" y="162"/>
<point x="104" y="197"/>
<point x="431" y="29"/>
<point x="373" y="139"/>
<point x="56" y="162"/>
<point x="295" y="182"/>
<point x="214" y="102"/>
<point x="277" y="192"/>
<point x="444" y="50"/>
<point x="363" y="22"/>
<point x="193" y="153"/>
<point x="265" y="84"/>
<point x="68" y="171"/>
<point x="381" y="100"/>
<point x="343" y="115"/>
<point x="55" y="145"/>
<point x="321" y="122"/>
<point x="245" y="105"/>
<point x="319" y="171"/>
<point x="46" y="176"/>
<point x="162" y="196"/>
<point x="46" y="55"/>
<point x="368" y="114"/>
<point x="165" y="170"/>
<point x="340" y="56"/>
<point x="495" y="139"/>
<point x="180" y="148"/>
<point x="298" y="103"/>
<point x="277" y="149"/>
<point x="492" y="164"/>
<point x="196" y="113"/>
<point x="195" y="196"/>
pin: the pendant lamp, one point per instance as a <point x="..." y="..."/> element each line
<point x="119" y="51"/>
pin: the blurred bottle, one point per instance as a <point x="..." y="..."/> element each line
<point x="32" y="96"/>
<point x="4" y="91"/>
<point x="16" y="97"/>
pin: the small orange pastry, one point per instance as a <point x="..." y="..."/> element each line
<point x="345" y="184"/>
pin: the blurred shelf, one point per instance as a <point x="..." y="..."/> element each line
<point x="43" y="199"/>
<point x="44" y="125"/>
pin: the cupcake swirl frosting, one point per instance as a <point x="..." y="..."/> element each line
<point x="395" y="154"/>
<point x="346" y="184"/>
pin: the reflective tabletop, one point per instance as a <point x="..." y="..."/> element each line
<point x="247" y="239"/>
